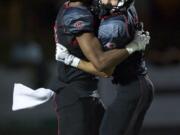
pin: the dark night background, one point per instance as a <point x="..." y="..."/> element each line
<point x="27" y="56"/>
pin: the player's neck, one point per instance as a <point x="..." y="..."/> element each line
<point x="75" y="4"/>
<point x="112" y="2"/>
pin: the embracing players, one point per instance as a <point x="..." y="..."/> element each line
<point x="79" y="111"/>
<point x="119" y="23"/>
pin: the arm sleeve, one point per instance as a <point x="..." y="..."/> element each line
<point x="112" y="32"/>
<point x="78" y="21"/>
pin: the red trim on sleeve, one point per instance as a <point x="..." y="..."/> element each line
<point x="66" y="4"/>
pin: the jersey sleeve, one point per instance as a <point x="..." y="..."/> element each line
<point x="78" y="21"/>
<point x="112" y="33"/>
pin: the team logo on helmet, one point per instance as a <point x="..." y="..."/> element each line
<point x="79" y="25"/>
<point x="110" y="45"/>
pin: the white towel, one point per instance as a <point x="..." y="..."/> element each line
<point x="25" y="97"/>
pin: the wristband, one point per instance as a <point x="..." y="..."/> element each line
<point x="132" y="47"/>
<point x="130" y="50"/>
<point x="75" y="62"/>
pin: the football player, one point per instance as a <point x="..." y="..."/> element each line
<point x="119" y="23"/>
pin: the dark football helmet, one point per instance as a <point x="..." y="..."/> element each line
<point x="99" y="8"/>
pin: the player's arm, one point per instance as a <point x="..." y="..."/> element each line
<point x="91" y="48"/>
<point x="63" y="55"/>
<point x="90" y="68"/>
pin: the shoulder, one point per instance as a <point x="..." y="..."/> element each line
<point x="77" y="13"/>
<point x="78" y="20"/>
<point x="113" y="25"/>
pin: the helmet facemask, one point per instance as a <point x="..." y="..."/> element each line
<point x="121" y="3"/>
<point x="125" y="3"/>
<point x="102" y="9"/>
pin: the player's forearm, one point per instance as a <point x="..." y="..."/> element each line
<point x="91" y="48"/>
<point x="112" y="58"/>
<point x="116" y="56"/>
<point x="89" y="68"/>
<point x="108" y="59"/>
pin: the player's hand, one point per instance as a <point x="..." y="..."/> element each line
<point x="103" y="75"/>
<point x="109" y="71"/>
<point x="140" y="41"/>
<point x="63" y="55"/>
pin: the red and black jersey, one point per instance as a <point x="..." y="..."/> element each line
<point x="70" y="23"/>
<point x="116" y="31"/>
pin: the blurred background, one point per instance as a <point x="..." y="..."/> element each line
<point x="27" y="56"/>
